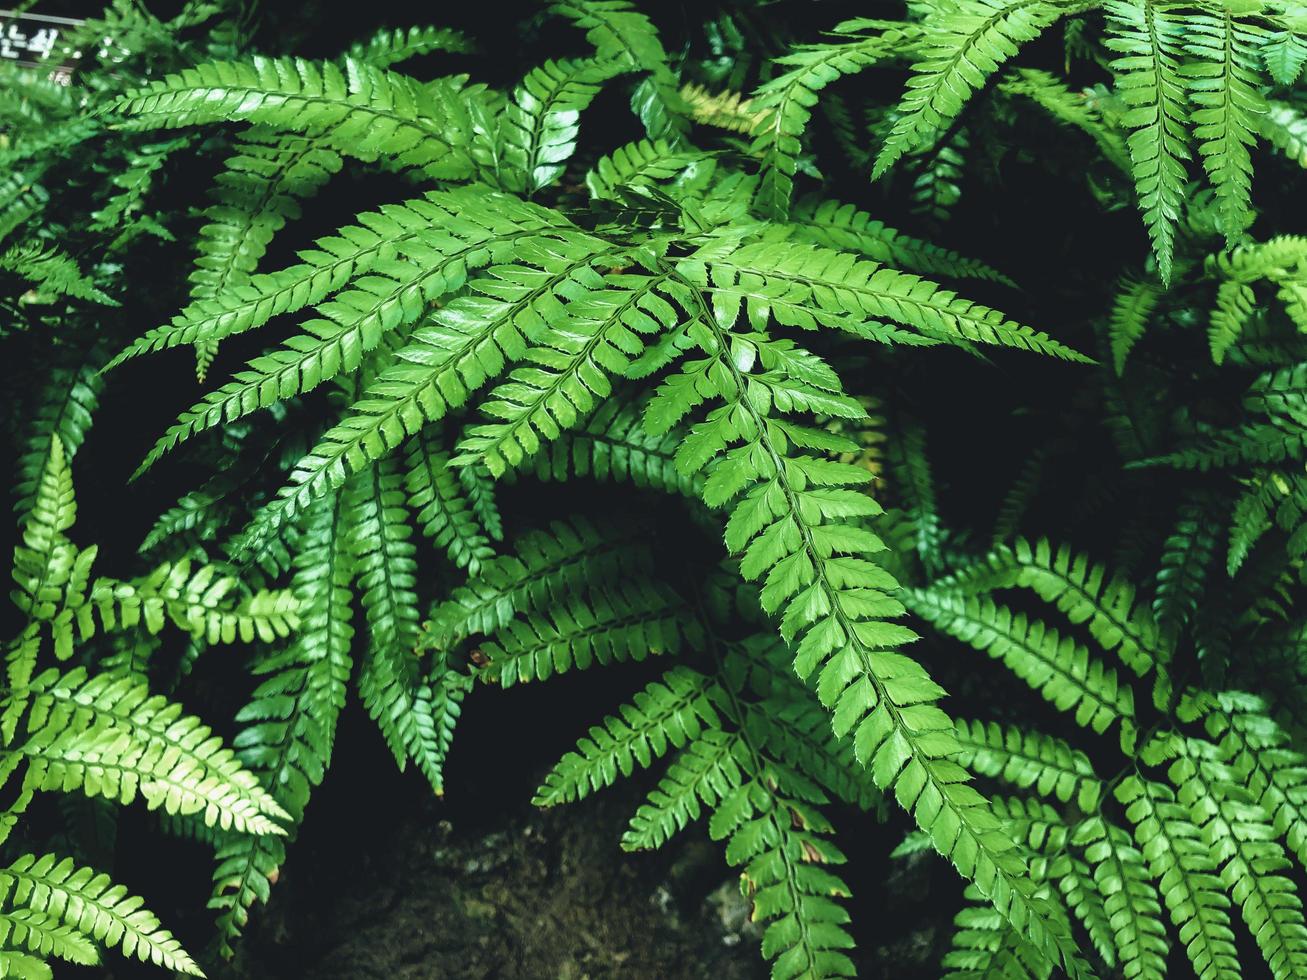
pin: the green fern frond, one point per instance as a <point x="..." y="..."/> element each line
<point x="544" y="570"/>
<point x="806" y="285"/>
<point x="1028" y="760"/>
<point x="1147" y="36"/>
<point x="798" y="528"/>
<point x="1070" y="108"/>
<point x="1257" y="510"/>
<point x="985" y="947"/>
<point x="454" y="231"/>
<point x="21" y="197"/>
<point x="386" y="572"/>
<point x="21" y="966"/>
<point x="795" y="730"/>
<point x="291" y="719"/>
<point x="706" y="771"/>
<point x="194" y="599"/>
<point x="1085" y="900"/>
<point x="1062" y="670"/>
<point x="1260" y="750"/>
<point x="108" y="736"/>
<point x="914" y="490"/>
<point x="566" y="376"/>
<point x="640" y="164"/>
<point x="624" y="622"/>
<point x="47" y="935"/>
<point x="784" y="104"/>
<point x="362" y="111"/>
<point x="1132" y="309"/>
<point x="1131" y="899"/>
<point x="1223" y="87"/>
<point x="845" y="228"/>
<point x="1267" y="898"/>
<point x="356" y="320"/>
<point x="292" y="715"/>
<point x="667" y="714"/>
<point x="256" y="194"/>
<point x="614" y="445"/>
<point x="440" y="502"/>
<point x="1285" y="54"/>
<point x="1086" y="592"/>
<point x="244" y="870"/>
<point x="620" y="32"/>
<point x="766" y="813"/>
<point x="964" y="44"/>
<point x="390" y="46"/>
<point x="69" y="399"/>
<point x="93" y="906"/>
<point x="51" y="273"/>
<point x="1255" y="442"/>
<point x="465" y="344"/>
<point x="1285" y="128"/>
<point x="44" y="560"/>
<point x="1187" y="556"/>
<point x="539" y="126"/>
<point x="1180" y="859"/>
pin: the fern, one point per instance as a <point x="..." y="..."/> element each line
<point x="784" y="105"/>
<point x="256" y="195"/>
<point x="1196" y="836"/>
<point x="539" y="128"/>
<point x="396" y="45"/>
<point x="964" y="44"/>
<point x="361" y="112"/>
<point x="766" y="812"/>
<point x="291" y="720"/>
<point x="752" y="384"/>
<point x="1147" y="37"/>
<point x="614" y="445"/>
<point x="1180" y="860"/>
<point x="843" y="227"/>
<point x="725" y="110"/>
<point x="1286" y="130"/>
<point x="1055" y="665"/>
<point x="339" y="259"/>
<point x="1029" y="760"/>
<point x="1223" y="89"/>
<point x="833" y="603"/>
<point x="441" y="503"/>
<point x="568" y="377"/>
<point x="638" y="164"/>
<point x="106" y="735"/>
<point x="67" y="405"/>
<point x="352" y="324"/>
<point x="1131" y="310"/>
<point x="51" y="273"/>
<point x="1188" y="554"/>
<point x="93" y="906"/>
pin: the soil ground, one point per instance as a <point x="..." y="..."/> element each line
<point x="387" y="882"/>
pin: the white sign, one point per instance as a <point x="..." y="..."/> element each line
<point x="28" y="40"/>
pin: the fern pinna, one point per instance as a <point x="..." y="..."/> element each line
<point x="765" y="293"/>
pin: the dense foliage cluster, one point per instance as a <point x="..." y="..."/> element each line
<point x="656" y="267"/>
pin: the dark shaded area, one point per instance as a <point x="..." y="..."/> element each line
<point x="385" y="881"/>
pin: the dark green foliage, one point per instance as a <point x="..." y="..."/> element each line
<point x="623" y="360"/>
